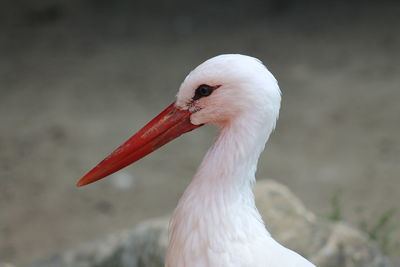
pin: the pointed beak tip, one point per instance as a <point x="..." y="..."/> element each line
<point x="80" y="183"/>
<point x="85" y="180"/>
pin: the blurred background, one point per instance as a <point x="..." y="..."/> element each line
<point x="79" y="77"/>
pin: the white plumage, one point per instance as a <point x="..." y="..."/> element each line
<point x="216" y="223"/>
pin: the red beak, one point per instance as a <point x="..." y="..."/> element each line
<point x="168" y="125"/>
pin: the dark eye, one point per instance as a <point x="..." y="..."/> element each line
<point x="205" y="90"/>
<point x="202" y="91"/>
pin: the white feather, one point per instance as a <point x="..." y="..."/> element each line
<point x="216" y="223"/>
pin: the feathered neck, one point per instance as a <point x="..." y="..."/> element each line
<point x="219" y="203"/>
<point x="230" y="164"/>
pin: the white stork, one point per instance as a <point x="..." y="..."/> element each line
<point x="216" y="223"/>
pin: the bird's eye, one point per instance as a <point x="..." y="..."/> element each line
<point x="205" y="90"/>
<point x="202" y="91"/>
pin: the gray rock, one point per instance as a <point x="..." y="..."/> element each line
<point x="348" y="247"/>
<point x="288" y="220"/>
<point x="147" y="244"/>
<point x="101" y="253"/>
<point x="325" y="243"/>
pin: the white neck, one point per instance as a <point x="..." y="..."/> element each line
<point x="218" y="206"/>
<point x="228" y="169"/>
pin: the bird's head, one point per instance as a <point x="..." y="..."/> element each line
<point x="219" y="91"/>
<point x="227" y="86"/>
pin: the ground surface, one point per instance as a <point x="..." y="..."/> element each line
<point x="76" y="82"/>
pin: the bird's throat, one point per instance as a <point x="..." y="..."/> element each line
<point x="218" y="206"/>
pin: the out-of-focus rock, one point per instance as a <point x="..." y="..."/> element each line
<point x="348" y="247"/>
<point x="147" y="245"/>
<point x="288" y="220"/>
<point x="325" y="243"/>
<point x="101" y="253"/>
<point x="144" y="246"/>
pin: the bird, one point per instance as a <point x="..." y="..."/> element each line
<point x="216" y="222"/>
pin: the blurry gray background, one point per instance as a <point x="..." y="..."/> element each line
<point x="79" y="77"/>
